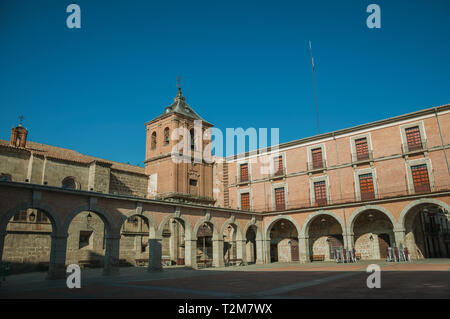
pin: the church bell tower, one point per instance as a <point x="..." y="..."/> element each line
<point x="190" y="180"/>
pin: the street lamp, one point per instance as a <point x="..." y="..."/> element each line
<point x="32" y="217"/>
<point x="89" y="219"/>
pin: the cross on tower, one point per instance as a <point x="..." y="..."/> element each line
<point x="179" y="82"/>
<point x="21" y="118"/>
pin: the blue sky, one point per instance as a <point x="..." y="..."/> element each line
<point x="243" y="64"/>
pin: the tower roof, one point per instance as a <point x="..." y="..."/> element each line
<point x="179" y="106"/>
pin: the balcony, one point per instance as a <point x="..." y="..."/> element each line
<point x="411" y="148"/>
<point x="243" y="179"/>
<point x="279" y="173"/>
<point x="317" y="165"/>
<point x="359" y="158"/>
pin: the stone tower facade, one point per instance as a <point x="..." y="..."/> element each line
<point x="179" y="132"/>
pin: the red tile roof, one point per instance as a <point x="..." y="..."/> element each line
<point x="71" y="155"/>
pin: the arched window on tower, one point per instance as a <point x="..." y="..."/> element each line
<point x="69" y="183"/>
<point x="166" y="136"/>
<point x="191" y="132"/>
<point x="153" y="141"/>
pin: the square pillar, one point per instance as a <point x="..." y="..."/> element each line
<point x="303" y="249"/>
<point x="57" y="264"/>
<point x="155" y="252"/>
<point x="241" y="250"/>
<point x="399" y="235"/>
<point x="267" y="251"/>
<point x="218" y="253"/>
<point x="112" y="256"/>
<point x="260" y="251"/>
<point x="190" y="253"/>
<point x="348" y="241"/>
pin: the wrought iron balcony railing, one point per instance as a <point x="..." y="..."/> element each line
<point x="415" y="147"/>
<point x="317" y="165"/>
<point x="362" y="157"/>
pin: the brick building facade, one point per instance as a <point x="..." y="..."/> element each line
<point x="370" y="187"/>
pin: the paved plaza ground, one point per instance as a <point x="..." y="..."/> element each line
<point x="419" y="279"/>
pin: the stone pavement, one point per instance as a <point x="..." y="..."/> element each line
<point x="420" y="279"/>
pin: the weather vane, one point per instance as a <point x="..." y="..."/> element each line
<point x="21" y="118"/>
<point x="179" y="82"/>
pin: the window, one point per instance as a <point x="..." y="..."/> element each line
<point x="320" y="193"/>
<point x="193" y="182"/>
<point x="278" y="165"/>
<point x="5" y="178"/>
<point x="192" y="134"/>
<point x="244" y="172"/>
<point x="245" y="201"/>
<point x="362" y="149"/>
<point x="69" y="183"/>
<point x="413" y="138"/>
<point x="366" y="186"/>
<point x="166" y="136"/>
<point x="153" y="141"/>
<point x="21" y="216"/>
<point x="420" y="178"/>
<point x="317" y="160"/>
<point x="280" y="203"/>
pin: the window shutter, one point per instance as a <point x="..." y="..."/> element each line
<point x="320" y="193"/>
<point x="420" y="178"/>
<point x="317" y="157"/>
<point x="366" y="186"/>
<point x="413" y="138"/>
<point x="244" y="172"/>
<point x="280" y="203"/>
<point x="245" y="201"/>
<point x="362" y="149"/>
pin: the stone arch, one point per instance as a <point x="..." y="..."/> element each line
<point x="50" y="213"/>
<point x="259" y="234"/>
<point x="403" y="214"/>
<point x="280" y="217"/>
<point x="258" y="249"/>
<point x="153" y="225"/>
<point x="187" y="226"/>
<point x="356" y="213"/>
<point x="312" y="216"/>
<point x="100" y="211"/>
<point x="203" y="220"/>
<point x="230" y="221"/>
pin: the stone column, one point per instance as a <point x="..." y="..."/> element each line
<point x="190" y="253"/>
<point x="348" y="241"/>
<point x="154" y="254"/>
<point x="303" y="249"/>
<point x="241" y="250"/>
<point x="57" y="264"/>
<point x="112" y="255"/>
<point x="260" y="251"/>
<point x="399" y="235"/>
<point x="266" y="244"/>
<point x="218" y="253"/>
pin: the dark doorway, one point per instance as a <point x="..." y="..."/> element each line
<point x="273" y="253"/>
<point x="294" y="250"/>
<point x="384" y="243"/>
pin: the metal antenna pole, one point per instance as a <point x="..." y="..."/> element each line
<point x="314" y="85"/>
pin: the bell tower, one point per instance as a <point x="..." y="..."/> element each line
<point x="190" y="178"/>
